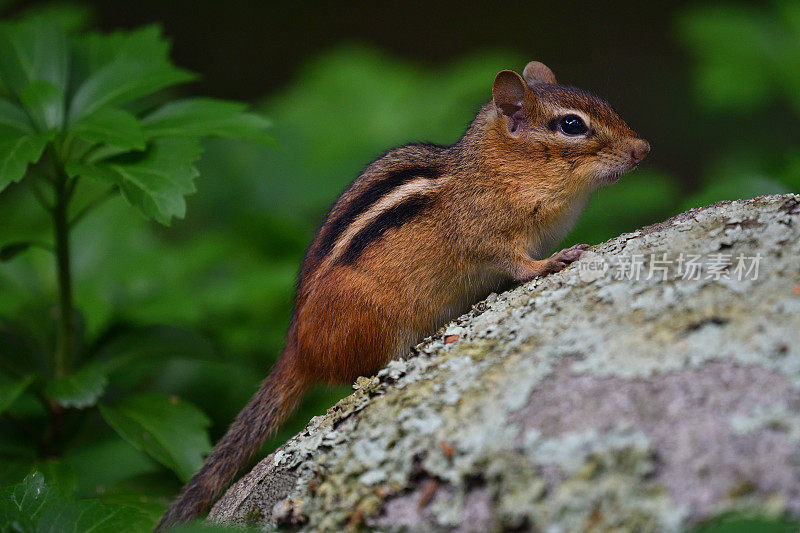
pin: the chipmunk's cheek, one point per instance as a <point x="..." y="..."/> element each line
<point x="604" y="175"/>
<point x="586" y="170"/>
<point x="609" y="166"/>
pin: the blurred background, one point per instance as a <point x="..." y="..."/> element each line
<point x="199" y="309"/>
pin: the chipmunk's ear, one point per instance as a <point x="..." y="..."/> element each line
<point x="508" y="93"/>
<point x="536" y="72"/>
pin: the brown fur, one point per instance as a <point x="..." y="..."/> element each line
<point x="489" y="208"/>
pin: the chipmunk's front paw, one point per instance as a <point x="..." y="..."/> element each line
<point x="559" y="260"/>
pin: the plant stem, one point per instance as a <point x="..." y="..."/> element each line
<point x="65" y="324"/>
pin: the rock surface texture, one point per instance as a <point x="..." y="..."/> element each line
<point x="599" y="397"/>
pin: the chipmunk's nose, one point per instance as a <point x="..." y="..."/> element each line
<point x="639" y="150"/>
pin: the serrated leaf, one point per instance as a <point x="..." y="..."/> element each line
<point x="154" y="181"/>
<point x="123" y="80"/>
<point x="10" y="251"/>
<point x="170" y="430"/>
<point x="33" y="50"/>
<point x="34" y="506"/>
<point x="10" y="392"/>
<point x="80" y="389"/>
<point x="16" y="152"/>
<point x="204" y="117"/>
<point x="13" y="119"/>
<point x="110" y="126"/>
<point x="45" y="104"/>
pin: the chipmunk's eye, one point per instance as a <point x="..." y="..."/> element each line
<point x="572" y="125"/>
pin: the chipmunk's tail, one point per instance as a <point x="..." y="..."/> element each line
<point x="276" y="398"/>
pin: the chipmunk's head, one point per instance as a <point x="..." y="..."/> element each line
<point x="571" y="133"/>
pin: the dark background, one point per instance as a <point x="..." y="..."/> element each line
<point x="626" y="52"/>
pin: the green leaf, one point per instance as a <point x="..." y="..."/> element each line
<point x="137" y="356"/>
<point x="80" y="389"/>
<point x="45" y="104"/>
<point x="204" y="117"/>
<point x="100" y="465"/>
<point x="33" y="50"/>
<point x="10" y="251"/>
<point x="155" y="181"/>
<point x="170" y="430"/>
<point x="16" y="152"/>
<point x="25" y="502"/>
<point x="59" y="473"/>
<point x="13" y="119"/>
<point x="70" y="17"/>
<point x="34" y="506"/>
<point x="144" y="44"/>
<point x="121" y="81"/>
<point x="19" y="144"/>
<point x="110" y="126"/>
<point x="13" y="470"/>
<point x="9" y="393"/>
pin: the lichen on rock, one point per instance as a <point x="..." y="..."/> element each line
<point x="586" y="399"/>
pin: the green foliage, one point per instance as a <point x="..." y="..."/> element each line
<point x="80" y="389"/>
<point x="155" y="182"/>
<point x="746" y="62"/>
<point x="34" y="506"/>
<point x="78" y="95"/>
<point x="738" y="523"/>
<point x="11" y="391"/>
<point x="85" y="121"/>
<point x="168" y="429"/>
<point x="747" y="55"/>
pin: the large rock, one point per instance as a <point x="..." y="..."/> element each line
<point x="585" y="399"/>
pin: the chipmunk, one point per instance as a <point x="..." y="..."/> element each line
<point x="424" y="232"/>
